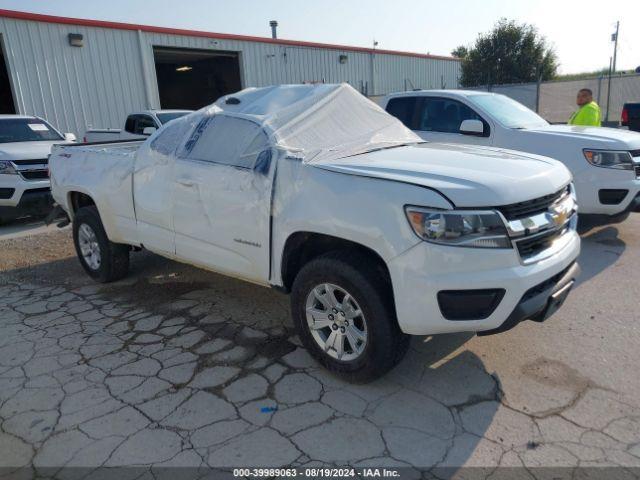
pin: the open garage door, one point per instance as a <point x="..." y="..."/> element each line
<point x="6" y="96"/>
<point x="192" y="79"/>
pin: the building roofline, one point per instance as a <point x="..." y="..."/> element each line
<point x="38" y="17"/>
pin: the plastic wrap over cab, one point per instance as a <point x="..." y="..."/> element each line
<point x="316" y="123"/>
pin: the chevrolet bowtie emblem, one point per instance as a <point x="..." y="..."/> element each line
<point x="559" y="216"/>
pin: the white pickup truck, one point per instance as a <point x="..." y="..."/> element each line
<point x="605" y="162"/>
<point x="138" y="125"/>
<point x="316" y="191"/>
<point x="25" y="145"/>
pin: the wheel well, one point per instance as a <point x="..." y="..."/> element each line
<point x="79" y="200"/>
<point x="302" y="247"/>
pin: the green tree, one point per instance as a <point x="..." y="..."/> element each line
<point x="510" y="53"/>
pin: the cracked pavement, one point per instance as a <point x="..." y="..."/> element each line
<point x="177" y="367"/>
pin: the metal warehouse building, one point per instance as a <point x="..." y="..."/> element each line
<point x="78" y="73"/>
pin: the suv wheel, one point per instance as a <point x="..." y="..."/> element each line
<point x="102" y="259"/>
<point x="343" y="311"/>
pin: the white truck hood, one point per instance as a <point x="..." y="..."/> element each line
<point x="592" y="137"/>
<point x="469" y="176"/>
<point x="27" y="150"/>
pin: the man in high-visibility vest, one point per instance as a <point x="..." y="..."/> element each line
<point x="588" y="114"/>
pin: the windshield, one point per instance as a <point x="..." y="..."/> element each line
<point x="167" y="117"/>
<point x="26" y="130"/>
<point x="508" y="112"/>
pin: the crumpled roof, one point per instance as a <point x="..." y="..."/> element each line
<point x="320" y="122"/>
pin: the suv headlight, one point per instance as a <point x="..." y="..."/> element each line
<point x="481" y="229"/>
<point x="6" y="168"/>
<point x="609" y="158"/>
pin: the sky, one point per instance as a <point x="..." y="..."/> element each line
<point x="579" y="31"/>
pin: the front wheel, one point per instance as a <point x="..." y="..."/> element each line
<point x="343" y="311"/>
<point x="102" y="259"/>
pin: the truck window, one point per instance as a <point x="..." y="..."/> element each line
<point x="171" y="136"/>
<point x="136" y="124"/>
<point x="130" y="124"/>
<point x="404" y="109"/>
<point x="445" y="115"/>
<point x="226" y="140"/>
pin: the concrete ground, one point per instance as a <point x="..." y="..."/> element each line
<point x="175" y="366"/>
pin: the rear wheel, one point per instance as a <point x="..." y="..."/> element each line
<point x="102" y="259"/>
<point x="343" y="311"/>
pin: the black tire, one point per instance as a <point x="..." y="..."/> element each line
<point x="114" y="263"/>
<point x="386" y="345"/>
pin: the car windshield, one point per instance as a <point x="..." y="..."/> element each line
<point x="508" y="112"/>
<point x="26" y="130"/>
<point x="167" y="117"/>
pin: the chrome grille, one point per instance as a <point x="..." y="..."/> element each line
<point x="542" y="233"/>
<point x="34" y="174"/>
<point x="533" y="207"/>
<point x="36" y="169"/>
<point x="39" y="161"/>
<point x="531" y="246"/>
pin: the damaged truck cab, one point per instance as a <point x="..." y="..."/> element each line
<point x="318" y="192"/>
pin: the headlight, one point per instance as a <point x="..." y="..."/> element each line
<point x="609" y="159"/>
<point x="6" y="168"/>
<point x="459" y="228"/>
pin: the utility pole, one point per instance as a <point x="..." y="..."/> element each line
<point x="373" y="68"/>
<point x="612" y="67"/>
<point x="606" y="116"/>
<point x="614" y="38"/>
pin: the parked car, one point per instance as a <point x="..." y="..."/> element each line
<point x="138" y="125"/>
<point x="630" y="117"/>
<point x="25" y="144"/>
<point x="316" y="191"/>
<point x="605" y="162"/>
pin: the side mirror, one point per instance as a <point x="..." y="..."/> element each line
<point x="70" y="137"/>
<point x="149" y="131"/>
<point x="472" y="127"/>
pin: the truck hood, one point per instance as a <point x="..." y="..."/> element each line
<point x="592" y="137"/>
<point x="469" y="176"/>
<point x="27" y="150"/>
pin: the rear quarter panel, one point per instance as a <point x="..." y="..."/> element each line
<point x="105" y="175"/>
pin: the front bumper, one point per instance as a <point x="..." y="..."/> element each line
<point x="16" y="187"/>
<point x="424" y="270"/>
<point x="541" y="301"/>
<point x="595" y="186"/>
<point x="18" y="196"/>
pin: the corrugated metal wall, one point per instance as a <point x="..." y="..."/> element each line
<point x="114" y="73"/>
<point x="394" y="73"/>
<point x="69" y="86"/>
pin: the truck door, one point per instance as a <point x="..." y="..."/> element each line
<point x="222" y="197"/>
<point x="152" y="189"/>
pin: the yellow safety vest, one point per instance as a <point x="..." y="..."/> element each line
<point x="588" y="115"/>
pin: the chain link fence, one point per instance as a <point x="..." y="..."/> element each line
<point x="556" y="101"/>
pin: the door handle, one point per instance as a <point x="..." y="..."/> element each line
<point x="186" y="183"/>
